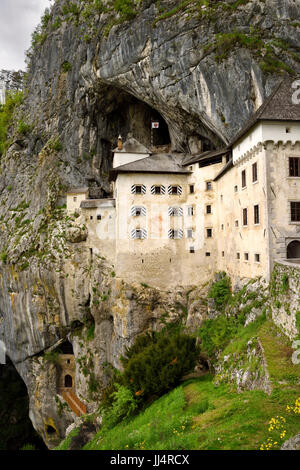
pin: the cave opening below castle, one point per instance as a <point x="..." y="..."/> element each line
<point x="16" y="429"/>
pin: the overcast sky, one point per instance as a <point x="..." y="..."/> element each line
<point x="18" y="18"/>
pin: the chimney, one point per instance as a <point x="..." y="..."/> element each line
<point x="120" y="143"/>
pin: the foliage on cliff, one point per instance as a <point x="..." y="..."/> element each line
<point x="200" y="415"/>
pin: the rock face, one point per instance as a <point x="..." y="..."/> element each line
<point x="84" y="87"/>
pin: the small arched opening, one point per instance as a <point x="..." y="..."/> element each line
<point x="293" y="250"/>
<point x="68" y="381"/>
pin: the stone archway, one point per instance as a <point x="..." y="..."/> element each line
<point x="68" y="381"/>
<point x="293" y="250"/>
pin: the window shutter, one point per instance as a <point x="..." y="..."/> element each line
<point x="179" y="189"/>
<point x="175" y="211"/>
<point x="162" y="189"/>
<point x="134" y="210"/>
<point x="133" y="188"/>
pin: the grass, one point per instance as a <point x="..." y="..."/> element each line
<point x="198" y="415"/>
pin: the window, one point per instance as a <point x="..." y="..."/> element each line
<point x="192" y="249"/>
<point x="243" y="178"/>
<point x="222" y="227"/>
<point x="254" y="172"/>
<point x="207" y="253"/>
<point x="189" y="233"/>
<point x="287" y="130"/>
<point x="191" y="210"/>
<point x="208" y="185"/>
<point x="221" y="198"/>
<point x="208" y="209"/>
<point x="98" y="217"/>
<point x="91" y="217"/>
<point x="175" y="190"/>
<point x="257" y="258"/>
<point x="175" y="211"/>
<point x="223" y="254"/>
<point x="138" y="189"/>
<point x="175" y="234"/>
<point x="138" y="233"/>
<point x="256" y="214"/>
<point x="158" y="189"/>
<point x="246" y="256"/>
<point x="295" y="211"/>
<point x="238" y="256"/>
<point x="245" y="217"/>
<point x="294" y="166"/>
<point x="192" y="189"/>
<point x="236" y="223"/>
<point x="75" y="198"/>
<point x="235" y="189"/>
<point x="209" y="232"/>
<point x="138" y="211"/>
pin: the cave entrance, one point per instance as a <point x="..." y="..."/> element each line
<point x="16" y="430"/>
<point x="66" y="348"/>
<point x="127" y="116"/>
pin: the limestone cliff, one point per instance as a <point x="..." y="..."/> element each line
<point x="204" y="67"/>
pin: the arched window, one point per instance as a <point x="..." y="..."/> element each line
<point x="68" y="381"/>
<point x="293" y="250"/>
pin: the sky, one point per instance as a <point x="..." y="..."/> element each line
<point x="18" y="19"/>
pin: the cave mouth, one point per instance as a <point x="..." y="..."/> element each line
<point x="16" y="430"/>
<point x="128" y="116"/>
<point x="66" y="347"/>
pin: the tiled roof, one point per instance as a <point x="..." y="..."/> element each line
<point x="157" y="163"/>
<point x="93" y="203"/>
<point x="278" y="106"/>
<point x="189" y="159"/>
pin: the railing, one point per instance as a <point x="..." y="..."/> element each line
<point x="74" y="403"/>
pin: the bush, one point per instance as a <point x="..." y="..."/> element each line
<point x="66" y="66"/>
<point x="220" y="291"/>
<point x="13" y="99"/>
<point x="156" y="362"/>
<point x="23" y="128"/>
<point x="123" y="405"/>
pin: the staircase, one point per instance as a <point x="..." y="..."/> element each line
<point x="74" y="403"/>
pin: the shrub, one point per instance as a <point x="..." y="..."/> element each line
<point x="52" y="357"/>
<point x="220" y="291"/>
<point x="156" y="363"/>
<point x="23" y="128"/>
<point x="12" y="100"/>
<point x="55" y="145"/>
<point x="3" y="256"/>
<point x="123" y="405"/>
<point x="66" y="66"/>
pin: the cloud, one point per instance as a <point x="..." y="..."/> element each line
<point x="18" y="19"/>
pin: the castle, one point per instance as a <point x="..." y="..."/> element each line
<point x="175" y="219"/>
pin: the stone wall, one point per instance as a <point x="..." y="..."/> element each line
<point x="285" y="298"/>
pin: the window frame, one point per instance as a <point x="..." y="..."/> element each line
<point x="244" y="179"/>
<point x="296" y="211"/>
<point x="294" y="167"/>
<point x="254" y="173"/>
<point x="256" y="214"/>
<point x="245" y="213"/>
<point x="209" y="230"/>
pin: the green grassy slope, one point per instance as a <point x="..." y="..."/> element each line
<point x="199" y="415"/>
